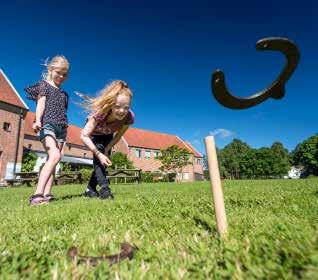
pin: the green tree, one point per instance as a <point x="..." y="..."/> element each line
<point x="306" y="153"/>
<point x="28" y="161"/>
<point x="231" y="158"/>
<point x="282" y="163"/>
<point x="174" y="159"/>
<point x="121" y="160"/>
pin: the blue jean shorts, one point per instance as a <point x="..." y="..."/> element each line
<point x="57" y="131"/>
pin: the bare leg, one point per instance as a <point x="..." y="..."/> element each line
<point x="48" y="168"/>
<point x="48" y="186"/>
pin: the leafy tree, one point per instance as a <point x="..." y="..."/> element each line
<point x="174" y="159"/>
<point x="28" y="161"/>
<point x="306" y="153"/>
<point x="120" y="160"/>
<point x="282" y="163"/>
<point x="231" y="158"/>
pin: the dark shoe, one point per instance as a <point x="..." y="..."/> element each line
<point x="90" y="193"/>
<point x="106" y="193"/>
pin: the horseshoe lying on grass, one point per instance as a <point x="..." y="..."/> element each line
<point x="126" y="252"/>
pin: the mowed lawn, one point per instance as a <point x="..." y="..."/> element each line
<point x="273" y="232"/>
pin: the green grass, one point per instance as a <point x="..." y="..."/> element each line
<point x="273" y="232"/>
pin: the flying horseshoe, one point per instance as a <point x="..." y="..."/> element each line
<point x="275" y="90"/>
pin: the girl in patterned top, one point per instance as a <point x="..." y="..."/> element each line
<point x="109" y="119"/>
<point x="50" y="122"/>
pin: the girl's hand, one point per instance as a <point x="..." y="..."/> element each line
<point x="37" y="126"/>
<point x="104" y="160"/>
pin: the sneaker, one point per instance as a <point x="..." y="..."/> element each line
<point x="106" y="193"/>
<point x="90" y="193"/>
<point x="37" y="199"/>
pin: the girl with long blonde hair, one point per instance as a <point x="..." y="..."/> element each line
<point x="50" y="122"/>
<point x="109" y="119"/>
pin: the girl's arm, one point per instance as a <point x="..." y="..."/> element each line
<point x="85" y="137"/>
<point x="40" y="107"/>
<point x="117" y="137"/>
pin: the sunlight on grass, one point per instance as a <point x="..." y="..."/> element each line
<point x="272" y="231"/>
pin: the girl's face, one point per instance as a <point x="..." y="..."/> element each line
<point x="121" y="107"/>
<point x="59" y="75"/>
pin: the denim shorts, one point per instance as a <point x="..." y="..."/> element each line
<point x="57" y="131"/>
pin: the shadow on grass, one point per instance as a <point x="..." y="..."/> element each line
<point x="204" y="225"/>
<point x="70" y="196"/>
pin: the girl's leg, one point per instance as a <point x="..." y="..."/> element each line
<point x="54" y="156"/>
<point x="91" y="187"/>
<point x="48" y="186"/>
<point x="100" y="170"/>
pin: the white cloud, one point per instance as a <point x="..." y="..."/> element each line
<point x="221" y="132"/>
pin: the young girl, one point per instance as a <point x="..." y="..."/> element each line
<point x="110" y="118"/>
<point x="50" y="122"/>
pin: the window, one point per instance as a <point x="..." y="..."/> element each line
<point x="30" y="146"/>
<point x="7" y="126"/>
<point x="147" y="154"/>
<point x="185" y="176"/>
<point x="84" y="155"/>
<point x="156" y="153"/>
<point x="138" y="153"/>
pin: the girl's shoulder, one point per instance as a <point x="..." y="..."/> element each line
<point x="98" y="116"/>
<point x="38" y="89"/>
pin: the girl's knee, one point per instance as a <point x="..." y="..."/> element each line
<point x="55" y="156"/>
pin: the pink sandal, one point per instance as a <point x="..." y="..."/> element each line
<point x="37" y="199"/>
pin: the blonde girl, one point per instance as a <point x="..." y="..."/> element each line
<point x="109" y="119"/>
<point x="50" y="122"/>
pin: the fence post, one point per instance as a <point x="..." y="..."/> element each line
<point x="125" y="179"/>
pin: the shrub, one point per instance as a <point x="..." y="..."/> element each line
<point x="28" y="161"/>
<point x="86" y="173"/>
<point x="147" y="177"/>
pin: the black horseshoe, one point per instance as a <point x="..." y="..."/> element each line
<point x="275" y="90"/>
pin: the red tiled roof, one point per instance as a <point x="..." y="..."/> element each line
<point x="134" y="137"/>
<point x="8" y="93"/>
<point x="140" y="138"/>
<point x="194" y="151"/>
<point x="73" y="132"/>
<point x="73" y="135"/>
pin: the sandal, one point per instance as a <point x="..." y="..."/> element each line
<point x="37" y="199"/>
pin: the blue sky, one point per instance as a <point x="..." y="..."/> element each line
<point x="167" y="52"/>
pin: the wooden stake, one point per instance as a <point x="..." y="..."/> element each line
<point x="216" y="186"/>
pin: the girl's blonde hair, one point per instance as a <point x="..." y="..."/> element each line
<point x="107" y="97"/>
<point x="58" y="61"/>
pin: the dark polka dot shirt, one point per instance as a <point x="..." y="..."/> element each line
<point x="55" y="105"/>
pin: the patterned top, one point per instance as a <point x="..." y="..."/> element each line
<point x="103" y="127"/>
<point x="55" y="105"/>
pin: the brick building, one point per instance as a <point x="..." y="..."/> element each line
<point x="16" y="135"/>
<point x="12" y="117"/>
<point x="142" y="146"/>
